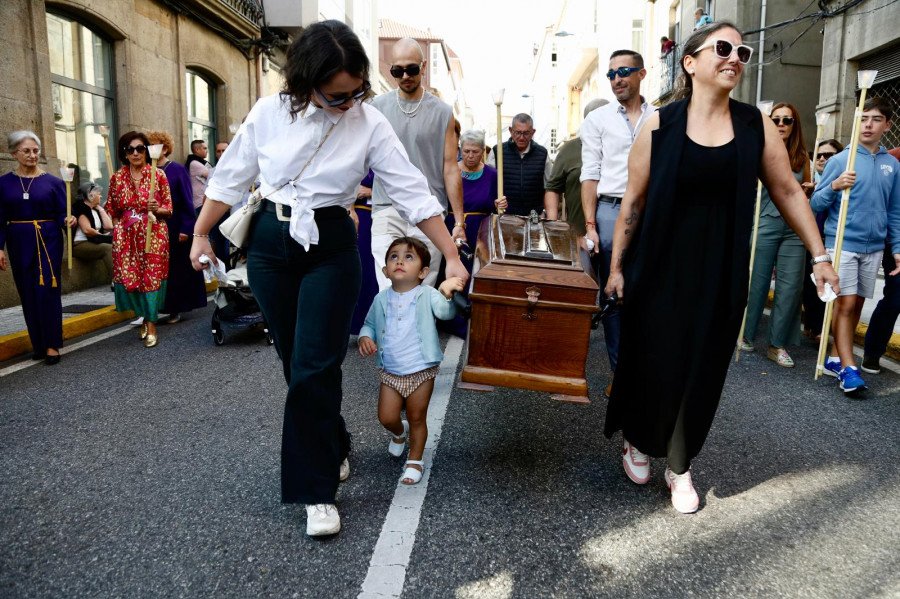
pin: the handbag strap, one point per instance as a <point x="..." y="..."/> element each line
<point x="321" y="143"/>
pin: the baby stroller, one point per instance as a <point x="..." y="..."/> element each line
<point x="236" y="308"/>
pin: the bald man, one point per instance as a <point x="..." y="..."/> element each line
<point x="424" y="125"/>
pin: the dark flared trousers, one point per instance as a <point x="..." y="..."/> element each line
<point x="307" y="299"/>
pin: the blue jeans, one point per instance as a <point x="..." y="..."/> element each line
<point x="607" y="213"/>
<point x="307" y="299"/>
<point x="881" y="325"/>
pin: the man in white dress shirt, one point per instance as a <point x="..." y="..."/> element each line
<point x="606" y="137"/>
<point x="424" y="125"/>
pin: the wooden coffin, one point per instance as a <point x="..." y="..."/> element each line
<point x="532" y="304"/>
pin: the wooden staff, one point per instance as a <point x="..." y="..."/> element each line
<point x="766" y="108"/>
<point x="67" y="175"/>
<point x="104" y="132"/>
<point x="498" y="100"/>
<point x="821" y="120"/>
<point x="155" y="151"/>
<point x="865" y="79"/>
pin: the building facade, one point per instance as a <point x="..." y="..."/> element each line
<point x="191" y="67"/>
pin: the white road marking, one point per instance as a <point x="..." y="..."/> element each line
<point x="67" y="349"/>
<point x="387" y="569"/>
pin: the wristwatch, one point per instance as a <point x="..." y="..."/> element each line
<point x="822" y="258"/>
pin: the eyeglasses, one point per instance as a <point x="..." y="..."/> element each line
<point x="27" y="152"/>
<point x="724" y="48"/>
<point x="825" y="155"/>
<point x="411" y="69"/>
<point x="522" y="133"/>
<point x="132" y="149"/>
<point x="622" y="72"/>
<point x="343" y="100"/>
<point x="787" y="120"/>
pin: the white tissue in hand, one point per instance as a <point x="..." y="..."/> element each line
<point x="215" y="271"/>
<point x="828" y="295"/>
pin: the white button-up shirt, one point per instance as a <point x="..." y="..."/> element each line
<point x="606" y="138"/>
<point x="271" y="146"/>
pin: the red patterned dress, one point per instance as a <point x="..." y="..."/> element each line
<point x="139" y="276"/>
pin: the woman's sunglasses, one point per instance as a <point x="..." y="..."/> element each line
<point x="787" y="120"/>
<point x="412" y="70"/>
<point x="724" y="48"/>
<point x="341" y="101"/>
<point x="825" y="155"/>
<point x="139" y="149"/>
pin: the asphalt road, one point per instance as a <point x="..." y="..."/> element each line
<point x="128" y="472"/>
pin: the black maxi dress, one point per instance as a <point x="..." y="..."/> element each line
<point x="686" y="277"/>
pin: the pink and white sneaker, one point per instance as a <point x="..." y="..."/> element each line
<point x="636" y="464"/>
<point x="684" y="497"/>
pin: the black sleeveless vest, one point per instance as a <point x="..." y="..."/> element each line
<point x="523" y="178"/>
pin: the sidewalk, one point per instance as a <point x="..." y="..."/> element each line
<point x="94" y="309"/>
<point x="83" y="312"/>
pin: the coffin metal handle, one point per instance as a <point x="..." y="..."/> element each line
<point x="533" y="293"/>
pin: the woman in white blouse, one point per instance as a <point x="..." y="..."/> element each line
<point x="303" y="262"/>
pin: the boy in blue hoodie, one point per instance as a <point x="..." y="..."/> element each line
<point x="873" y="216"/>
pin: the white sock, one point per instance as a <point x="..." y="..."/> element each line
<point x="832" y="360"/>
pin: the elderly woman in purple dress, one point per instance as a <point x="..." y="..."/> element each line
<point x="32" y="215"/>
<point x="479" y="183"/>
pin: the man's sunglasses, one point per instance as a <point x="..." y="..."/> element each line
<point x="343" y="100"/>
<point x="132" y="149"/>
<point x="787" y="120"/>
<point x="826" y="155"/>
<point x="412" y="70"/>
<point x="724" y="48"/>
<point x="622" y="72"/>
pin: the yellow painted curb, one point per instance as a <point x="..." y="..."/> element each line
<point x="17" y="344"/>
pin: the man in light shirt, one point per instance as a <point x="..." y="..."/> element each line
<point x="606" y="137"/>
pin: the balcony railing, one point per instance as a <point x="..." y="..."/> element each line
<point x="667" y="70"/>
<point x="250" y="10"/>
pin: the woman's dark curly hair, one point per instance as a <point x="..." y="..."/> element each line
<point x="323" y="50"/>
<point x="126" y="140"/>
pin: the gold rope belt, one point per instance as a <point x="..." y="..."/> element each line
<point x="39" y="243"/>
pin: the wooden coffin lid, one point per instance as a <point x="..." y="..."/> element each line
<point x="516" y="249"/>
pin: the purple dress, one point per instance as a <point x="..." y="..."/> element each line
<point x="32" y="232"/>
<point x="185" y="289"/>
<point x="478" y="202"/>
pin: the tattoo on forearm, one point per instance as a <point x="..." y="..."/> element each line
<point x="630" y="220"/>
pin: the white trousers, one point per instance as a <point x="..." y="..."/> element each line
<point x="388" y="225"/>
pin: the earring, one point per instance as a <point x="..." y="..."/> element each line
<point x="691" y="71"/>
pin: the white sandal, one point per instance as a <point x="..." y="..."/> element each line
<point x="413" y="474"/>
<point x="394" y="448"/>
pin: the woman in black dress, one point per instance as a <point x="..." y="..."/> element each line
<point x="681" y="257"/>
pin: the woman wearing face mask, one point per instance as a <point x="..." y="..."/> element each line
<point x="681" y="253"/>
<point x="779" y="248"/>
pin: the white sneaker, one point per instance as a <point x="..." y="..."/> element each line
<point x="345" y="469"/>
<point x="684" y="497"/>
<point x="322" y="519"/>
<point x="636" y="464"/>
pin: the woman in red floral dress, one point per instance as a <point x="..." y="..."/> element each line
<point x="139" y="276"/>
